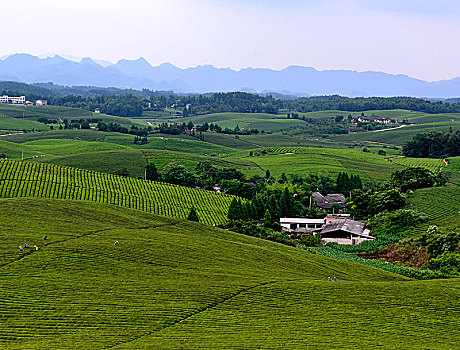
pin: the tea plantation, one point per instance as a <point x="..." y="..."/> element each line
<point x="173" y="284"/>
<point x="28" y="179"/>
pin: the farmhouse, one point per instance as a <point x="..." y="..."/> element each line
<point x="345" y="232"/>
<point x="326" y="202"/>
<point x="41" y="102"/>
<point x="333" y="228"/>
<point x="302" y="225"/>
<point x="11" y="99"/>
<point x="363" y="119"/>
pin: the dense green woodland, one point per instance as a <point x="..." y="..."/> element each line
<point x="132" y="103"/>
<point x="434" y="144"/>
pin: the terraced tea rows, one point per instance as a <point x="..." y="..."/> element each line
<point x="315" y="315"/>
<point x="27" y="179"/>
<point x="341" y="153"/>
<point x="437" y="202"/>
<point x="431" y="164"/>
<point x="170" y="281"/>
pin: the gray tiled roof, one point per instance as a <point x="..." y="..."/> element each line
<point x="326" y="202"/>
<point x="347" y="225"/>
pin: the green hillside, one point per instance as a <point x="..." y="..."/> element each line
<point x="453" y="170"/>
<point x="28" y="179"/>
<point x="49" y="112"/>
<point x="396" y="136"/>
<point x="172" y="284"/>
<point x="109" y="162"/>
<point x="9" y="123"/>
<point x="322" y="161"/>
<point x="441" y="206"/>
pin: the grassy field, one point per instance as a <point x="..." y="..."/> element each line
<point x="397" y="136"/>
<point x="322" y="161"/>
<point x="172" y="284"/>
<point x="441" y="206"/>
<point x="171" y="144"/>
<point x="84" y="135"/>
<point x="453" y="170"/>
<point x="49" y="112"/>
<point x="10" y="123"/>
<point x="97" y="156"/>
<point x="109" y="162"/>
<point x="29" y="179"/>
<point x="26" y="116"/>
<point x="162" y="158"/>
<point x="433" y="165"/>
<point x="260" y="121"/>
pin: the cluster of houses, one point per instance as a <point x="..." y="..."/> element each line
<point x="11" y="99"/>
<point x="335" y="227"/>
<point x="364" y="119"/>
<point x="21" y="100"/>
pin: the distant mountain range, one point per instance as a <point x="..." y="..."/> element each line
<point x="295" y="80"/>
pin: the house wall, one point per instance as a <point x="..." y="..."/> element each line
<point x="349" y="241"/>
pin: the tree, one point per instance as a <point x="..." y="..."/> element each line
<point x="176" y="173"/>
<point x="233" y="210"/>
<point x="413" y="178"/>
<point x="205" y="171"/>
<point x="151" y="172"/>
<point x="267" y="174"/>
<point x="122" y="172"/>
<point x="193" y="216"/>
<point x="388" y="200"/>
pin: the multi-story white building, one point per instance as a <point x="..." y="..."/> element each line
<point x="10" y="99"/>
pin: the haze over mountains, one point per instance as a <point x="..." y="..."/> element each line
<point x="297" y="80"/>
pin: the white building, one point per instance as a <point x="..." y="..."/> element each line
<point x="345" y="231"/>
<point x="302" y="225"/>
<point x="11" y="99"/>
<point x="41" y="102"/>
<point x="333" y="228"/>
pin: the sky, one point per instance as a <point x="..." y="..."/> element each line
<point x="418" y="38"/>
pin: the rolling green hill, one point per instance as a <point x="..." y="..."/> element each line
<point x="29" y="179"/>
<point x="322" y="161"/>
<point x="172" y="284"/>
<point x="397" y="136"/>
<point x="440" y="204"/>
<point x="10" y="123"/>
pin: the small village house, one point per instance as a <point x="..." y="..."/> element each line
<point x="333" y="228"/>
<point x="327" y="202"/>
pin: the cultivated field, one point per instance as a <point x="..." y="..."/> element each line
<point x="172" y="284"/>
<point x="28" y="179"/>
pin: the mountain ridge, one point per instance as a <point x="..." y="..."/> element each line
<point x="294" y="79"/>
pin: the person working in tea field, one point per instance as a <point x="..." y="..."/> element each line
<point x="21" y="249"/>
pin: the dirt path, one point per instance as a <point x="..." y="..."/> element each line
<point x="446" y="163"/>
<point x="388" y="159"/>
<point x="16" y="133"/>
<point x="397" y="127"/>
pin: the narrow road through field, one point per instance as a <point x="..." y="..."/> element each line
<point x="446" y="163"/>
<point x="388" y="159"/>
<point x="397" y="127"/>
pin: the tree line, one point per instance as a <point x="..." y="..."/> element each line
<point x="434" y="144"/>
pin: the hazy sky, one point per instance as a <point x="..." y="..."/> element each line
<point x="419" y="38"/>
